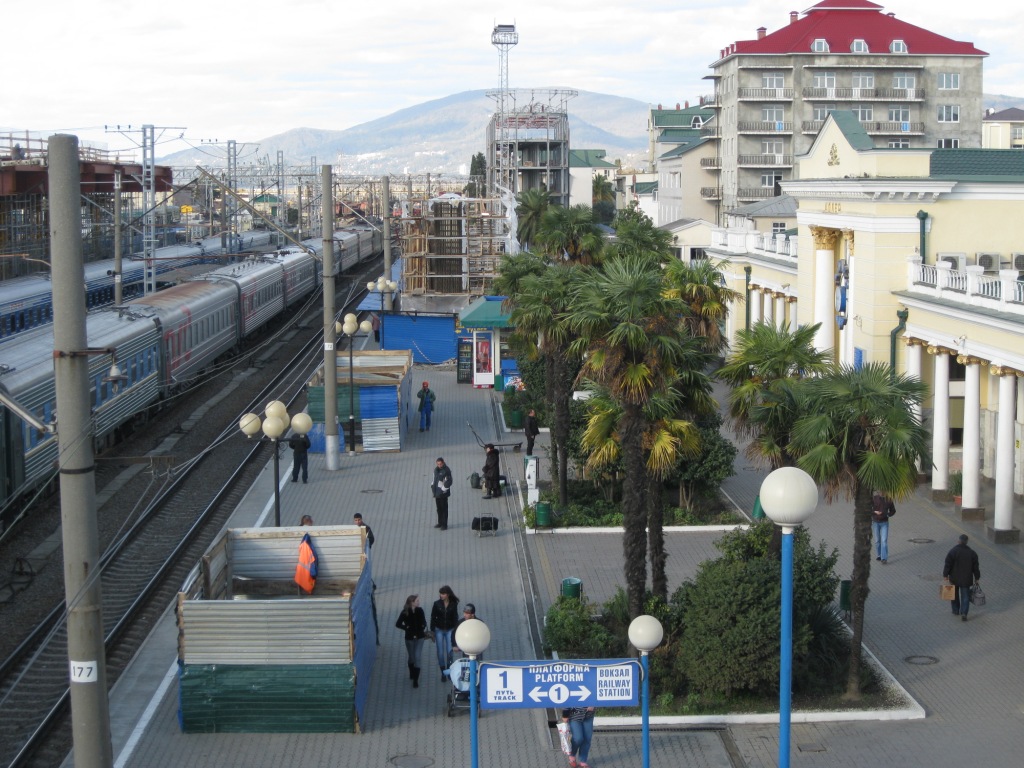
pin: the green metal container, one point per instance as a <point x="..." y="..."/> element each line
<point x="572" y="588"/>
<point x="543" y="515"/>
<point x="844" y="595"/>
<point x="499" y="382"/>
<point x="515" y="419"/>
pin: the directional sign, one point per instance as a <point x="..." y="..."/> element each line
<point x="573" y="683"/>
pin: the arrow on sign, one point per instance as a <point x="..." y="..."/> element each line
<point x="538" y="693"/>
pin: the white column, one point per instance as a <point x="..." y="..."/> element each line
<point x="940" y="422"/>
<point x="972" y="433"/>
<point x="914" y="371"/>
<point x="780" y="310"/>
<point x="756" y="303"/>
<point x="824" y="298"/>
<point x="769" y="306"/>
<point x="1005" y="452"/>
<point x="1018" y="440"/>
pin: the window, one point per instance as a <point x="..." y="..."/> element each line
<point x="904" y="80"/>
<point x="859" y="46"/>
<point x="948" y="143"/>
<point x="820" y="45"/>
<point x="899" y="144"/>
<point x="864" y="112"/>
<point x="821" y="111"/>
<point x="779" y="228"/>
<point x="773" y="80"/>
<point x="773" y="114"/>
<point x="769" y="180"/>
<point x="824" y="80"/>
<point x="863" y="79"/>
<point x="771" y="147"/>
<point x="1016" y="133"/>
<point x="949" y="81"/>
<point x="898" y="46"/>
<point x="899" y="113"/>
<point x="949" y="113"/>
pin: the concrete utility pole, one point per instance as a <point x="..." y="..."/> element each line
<point x="330" y="352"/>
<point x="386" y="202"/>
<point x="118" y="283"/>
<point x="87" y="664"/>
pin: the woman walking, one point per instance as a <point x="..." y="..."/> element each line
<point x="412" y="620"/>
<point x="581" y="724"/>
<point x="444" y="617"/>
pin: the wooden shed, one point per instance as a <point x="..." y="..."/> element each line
<point x="381" y="395"/>
<point x="258" y="655"/>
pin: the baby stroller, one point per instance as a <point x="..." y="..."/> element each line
<point x="458" y="696"/>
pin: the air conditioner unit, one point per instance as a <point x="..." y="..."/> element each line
<point x="989" y="262"/>
<point x="1018" y="261"/>
<point x="957" y="261"/>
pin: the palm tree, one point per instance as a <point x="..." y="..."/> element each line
<point x="570" y="234"/>
<point x="860" y="433"/>
<point x="530" y="209"/>
<point x="628" y="335"/>
<point x="767" y="360"/>
<point x="602" y="190"/>
<point x="701" y="284"/>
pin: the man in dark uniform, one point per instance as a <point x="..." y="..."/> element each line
<point x="300" y="456"/>
<point x="962" y="570"/>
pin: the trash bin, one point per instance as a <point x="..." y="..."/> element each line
<point x="543" y="515"/>
<point x="515" y="419"/>
<point x="499" y="382"/>
<point x="758" y="513"/>
<point x="572" y="588"/>
<point x="844" y="595"/>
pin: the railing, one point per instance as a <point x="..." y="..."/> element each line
<point x="893" y="127"/>
<point x="864" y="94"/>
<point x="710" y="132"/>
<point x="711" y="162"/>
<point x="708" y="101"/>
<point x="755" y="193"/>
<point x="764" y="126"/>
<point x="765" y="160"/>
<point x="971" y="286"/>
<point x="746" y="242"/>
<point x="765" y="94"/>
<point x="711" y="193"/>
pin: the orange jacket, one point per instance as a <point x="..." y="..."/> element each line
<point x="305" y="571"/>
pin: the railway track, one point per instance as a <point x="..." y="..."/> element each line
<point x="143" y="568"/>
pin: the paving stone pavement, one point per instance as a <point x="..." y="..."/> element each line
<point x="973" y="694"/>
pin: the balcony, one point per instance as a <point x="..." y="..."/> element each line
<point x="765" y="161"/>
<point x="863" y="94"/>
<point x="710" y="132"/>
<point x="764" y="94"/>
<point x="755" y="193"/>
<point x="762" y="126"/>
<point x="1003" y="292"/>
<point x="742" y="242"/>
<point x="711" y="100"/>
<point x="711" y="193"/>
<point x="903" y="128"/>
<point x="711" y="162"/>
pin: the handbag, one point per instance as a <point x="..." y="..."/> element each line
<point x="977" y="596"/>
<point x="947" y="591"/>
<point x="565" y="737"/>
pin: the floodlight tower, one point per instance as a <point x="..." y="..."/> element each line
<point x="503" y="38"/>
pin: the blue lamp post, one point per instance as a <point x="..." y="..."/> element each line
<point x="788" y="496"/>
<point x="645" y="633"/>
<point x="473" y="636"/>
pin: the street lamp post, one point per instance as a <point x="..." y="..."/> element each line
<point x="350" y="328"/>
<point x="274" y="423"/>
<point x="383" y="286"/>
<point x="788" y="496"/>
<point x="645" y="633"/>
<point x="473" y="637"/>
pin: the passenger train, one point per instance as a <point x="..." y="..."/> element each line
<point x="26" y="302"/>
<point x="161" y="343"/>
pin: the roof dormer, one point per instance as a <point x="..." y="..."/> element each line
<point x="820" y="45"/>
<point x="859" y="46"/>
<point x="898" y="46"/>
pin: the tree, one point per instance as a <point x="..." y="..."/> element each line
<point x="603" y="199"/>
<point x="570" y="234"/>
<point x="530" y="209"/>
<point x="861" y="433"/>
<point x="478" y="175"/>
<point x="628" y="336"/>
<point x="767" y="361"/>
<point x="701" y="284"/>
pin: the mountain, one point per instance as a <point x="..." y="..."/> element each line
<point x="441" y="136"/>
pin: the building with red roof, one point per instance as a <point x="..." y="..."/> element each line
<point x="909" y="87"/>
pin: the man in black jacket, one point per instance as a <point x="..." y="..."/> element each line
<point x="962" y="570"/>
<point x="492" y="472"/>
<point x="531" y="430"/>
<point x="441" y="487"/>
<point x="300" y="456"/>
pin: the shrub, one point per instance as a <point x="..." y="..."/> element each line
<point x="570" y="630"/>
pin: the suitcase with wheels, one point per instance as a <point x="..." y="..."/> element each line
<point x="485" y="525"/>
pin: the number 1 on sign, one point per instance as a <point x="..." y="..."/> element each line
<point x="84" y="672"/>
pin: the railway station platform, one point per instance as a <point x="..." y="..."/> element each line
<point x="969" y="677"/>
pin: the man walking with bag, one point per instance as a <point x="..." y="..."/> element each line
<point x="882" y="509"/>
<point x="962" y="570"/>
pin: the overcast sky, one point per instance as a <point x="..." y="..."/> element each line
<point x="219" y="70"/>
